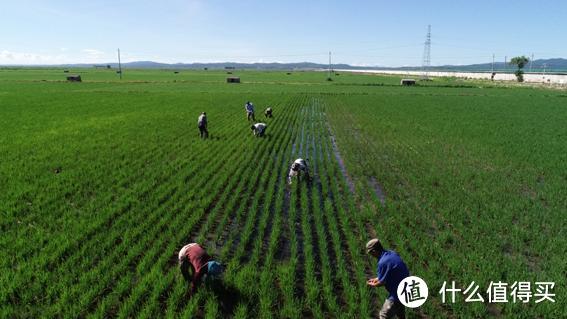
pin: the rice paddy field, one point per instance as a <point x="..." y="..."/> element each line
<point x="102" y="182"/>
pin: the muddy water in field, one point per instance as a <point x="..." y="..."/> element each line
<point x="341" y="163"/>
<point x="378" y="190"/>
<point x="283" y="252"/>
<point x="312" y="141"/>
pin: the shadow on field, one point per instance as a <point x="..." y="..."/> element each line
<point x="211" y="138"/>
<point x="228" y="297"/>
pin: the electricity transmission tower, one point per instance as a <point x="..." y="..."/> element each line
<point x="426" y="55"/>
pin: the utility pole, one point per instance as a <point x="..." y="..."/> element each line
<point x="492" y="62"/>
<point x="505" y="63"/>
<point x="531" y="62"/>
<point x="329" y="76"/>
<point x="119" y="65"/>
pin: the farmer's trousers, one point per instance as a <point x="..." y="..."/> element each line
<point x="392" y="309"/>
<point x="203" y="131"/>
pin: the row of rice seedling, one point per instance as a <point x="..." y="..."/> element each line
<point x="203" y="231"/>
<point x="63" y="248"/>
<point x="395" y="237"/>
<point x="428" y="172"/>
<point x="239" y="241"/>
<point x="89" y="261"/>
<point x="220" y="206"/>
<point x="48" y="262"/>
<point x="73" y="152"/>
<point x="347" y="234"/>
<point x="449" y="175"/>
<point x="324" y="280"/>
<point x="243" y="179"/>
<point x="266" y="247"/>
<point x="159" y="213"/>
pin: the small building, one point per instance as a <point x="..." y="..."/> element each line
<point x="407" y="82"/>
<point x="233" y="79"/>
<point x="74" y="78"/>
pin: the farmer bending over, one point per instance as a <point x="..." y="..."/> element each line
<point x="249" y="107"/>
<point x="268" y="112"/>
<point x="258" y="129"/>
<point x="202" y="124"/>
<point x="193" y="257"/>
<point x="391" y="271"/>
<point x="298" y="168"/>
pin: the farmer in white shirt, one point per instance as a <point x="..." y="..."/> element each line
<point x="298" y="168"/>
<point x="202" y="124"/>
<point x="259" y="129"/>
<point x="268" y="112"/>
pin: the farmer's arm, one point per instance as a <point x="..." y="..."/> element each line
<point x="197" y="277"/>
<point x="185" y="264"/>
<point x="374" y="282"/>
<point x="380" y="280"/>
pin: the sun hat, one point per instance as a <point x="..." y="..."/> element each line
<point x="373" y="245"/>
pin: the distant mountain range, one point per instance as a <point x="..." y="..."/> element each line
<point x="555" y="65"/>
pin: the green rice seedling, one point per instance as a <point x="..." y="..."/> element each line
<point x="103" y="182"/>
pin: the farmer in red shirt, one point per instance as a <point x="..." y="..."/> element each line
<point x="194" y="257"/>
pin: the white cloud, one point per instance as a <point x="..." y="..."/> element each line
<point x="93" y="52"/>
<point x="59" y="56"/>
<point x="11" y="57"/>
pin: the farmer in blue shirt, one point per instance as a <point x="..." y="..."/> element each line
<point x="391" y="271"/>
<point x="249" y="107"/>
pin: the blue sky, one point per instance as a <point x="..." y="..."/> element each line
<point x="385" y="33"/>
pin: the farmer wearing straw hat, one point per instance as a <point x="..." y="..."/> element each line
<point x="391" y="271"/>
<point x="193" y="257"/>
